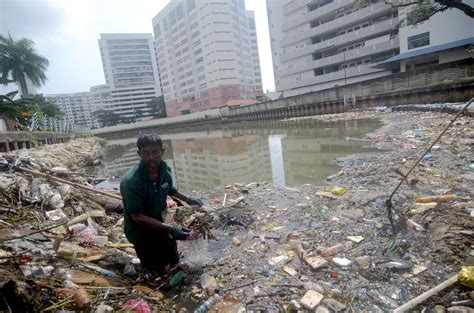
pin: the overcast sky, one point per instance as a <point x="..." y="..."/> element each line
<point x="66" y="33"/>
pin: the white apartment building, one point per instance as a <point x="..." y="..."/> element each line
<point x="207" y="54"/>
<point x="443" y="38"/>
<point x="131" y="71"/>
<point x="321" y="44"/>
<point x="101" y="97"/>
<point x="76" y="107"/>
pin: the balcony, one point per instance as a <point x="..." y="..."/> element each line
<point x="353" y="18"/>
<point x="294" y="5"/>
<point x="309" y="16"/>
<point x="342" y="57"/>
<point x="348" y="73"/>
<point x="372" y="30"/>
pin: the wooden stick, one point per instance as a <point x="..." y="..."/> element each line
<point x="225" y="200"/>
<point x="240" y="286"/>
<point x="414" y="302"/>
<point x="33" y="232"/>
<point x="63" y="181"/>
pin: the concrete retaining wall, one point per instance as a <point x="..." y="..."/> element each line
<point x="25" y="140"/>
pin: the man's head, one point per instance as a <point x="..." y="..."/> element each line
<point x="150" y="149"/>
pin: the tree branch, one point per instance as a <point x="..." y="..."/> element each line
<point x="6" y="81"/>
<point x="404" y="4"/>
<point x="467" y="9"/>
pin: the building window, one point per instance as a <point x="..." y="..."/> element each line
<point x="172" y="17"/>
<point x="179" y="12"/>
<point x="157" y="30"/>
<point x="190" y="4"/>
<point x="419" y="40"/>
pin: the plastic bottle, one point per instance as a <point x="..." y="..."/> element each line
<point x="209" y="303"/>
<point x="419" y="133"/>
<point x="177" y="278"/>
<point x="76" y="228"/>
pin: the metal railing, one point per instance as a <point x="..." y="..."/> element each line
<point x="378" y="28"/>
<point x="338" y="23"/>
<point x="46" y="123"/>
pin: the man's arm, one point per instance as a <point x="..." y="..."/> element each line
<point x="150" y="223"/>
<point x="176" y="232"/>
<point x="180" y="196"/>
<point x="194" y="203"/>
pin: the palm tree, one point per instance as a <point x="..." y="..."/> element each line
<point x="19" y="60"/>
<point x="14" y="112"/>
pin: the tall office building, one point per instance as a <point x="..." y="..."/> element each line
<point x="130" y="69"/>
<point x="320" y="44"/>
<point x="77" y="108"/>
<point x="207" y="54"/>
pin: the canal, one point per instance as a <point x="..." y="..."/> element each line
<point x="283" y="153"/>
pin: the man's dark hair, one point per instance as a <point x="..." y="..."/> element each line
<point x="148" y="140"/>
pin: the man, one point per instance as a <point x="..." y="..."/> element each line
<point x="144" y="190"/>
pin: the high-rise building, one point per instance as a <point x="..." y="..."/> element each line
<point x="76" y="107"/>
<point x="207" y="54"/>
<point x="130" y="69"/>
<point x="101" y="97"/>
<point x="321" y="44"/>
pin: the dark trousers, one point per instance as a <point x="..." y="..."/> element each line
<point x="156" y="251"/>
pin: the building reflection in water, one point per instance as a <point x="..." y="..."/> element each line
<point x="285" y="156"/>
<point x="210" y="162"/>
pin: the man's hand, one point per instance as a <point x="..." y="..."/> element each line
<point x="178" y="232"/>
<point x="194" y="202"/>
<point x="193" y="235"/>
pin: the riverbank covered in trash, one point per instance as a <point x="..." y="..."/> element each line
<point x="326" y="248"/>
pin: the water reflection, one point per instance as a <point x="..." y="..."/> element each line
<point x="282" y="153"/>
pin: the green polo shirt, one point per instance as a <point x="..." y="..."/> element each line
<point x="142" y="194"/>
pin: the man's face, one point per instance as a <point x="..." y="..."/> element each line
<point x="151" y="155"/>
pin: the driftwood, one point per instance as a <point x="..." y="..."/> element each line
<point x="67" y="182"/>
<point x="414" y="302"/>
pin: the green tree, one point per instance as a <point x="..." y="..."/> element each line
<point x="19" y="60"/>
<point x="157" y="107"/>
<point x="45" y="106"/>
<point x="139" y="113"/>
<point x="14" y="112"/>
<point x="107" y="118"/>
<point x="127" y="119"/>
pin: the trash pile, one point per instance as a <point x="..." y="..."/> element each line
<point x="61" y="247"/>
<point x="307" y="248"/>
<point x="331" y="248"/>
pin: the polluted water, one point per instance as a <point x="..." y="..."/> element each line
<point x="197" y="252"/>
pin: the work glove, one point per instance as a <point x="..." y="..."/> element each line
<point x="178" y="232"/>
<point x="193" y="201"/>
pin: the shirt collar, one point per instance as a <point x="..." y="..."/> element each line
<point x="144" y="171"/>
